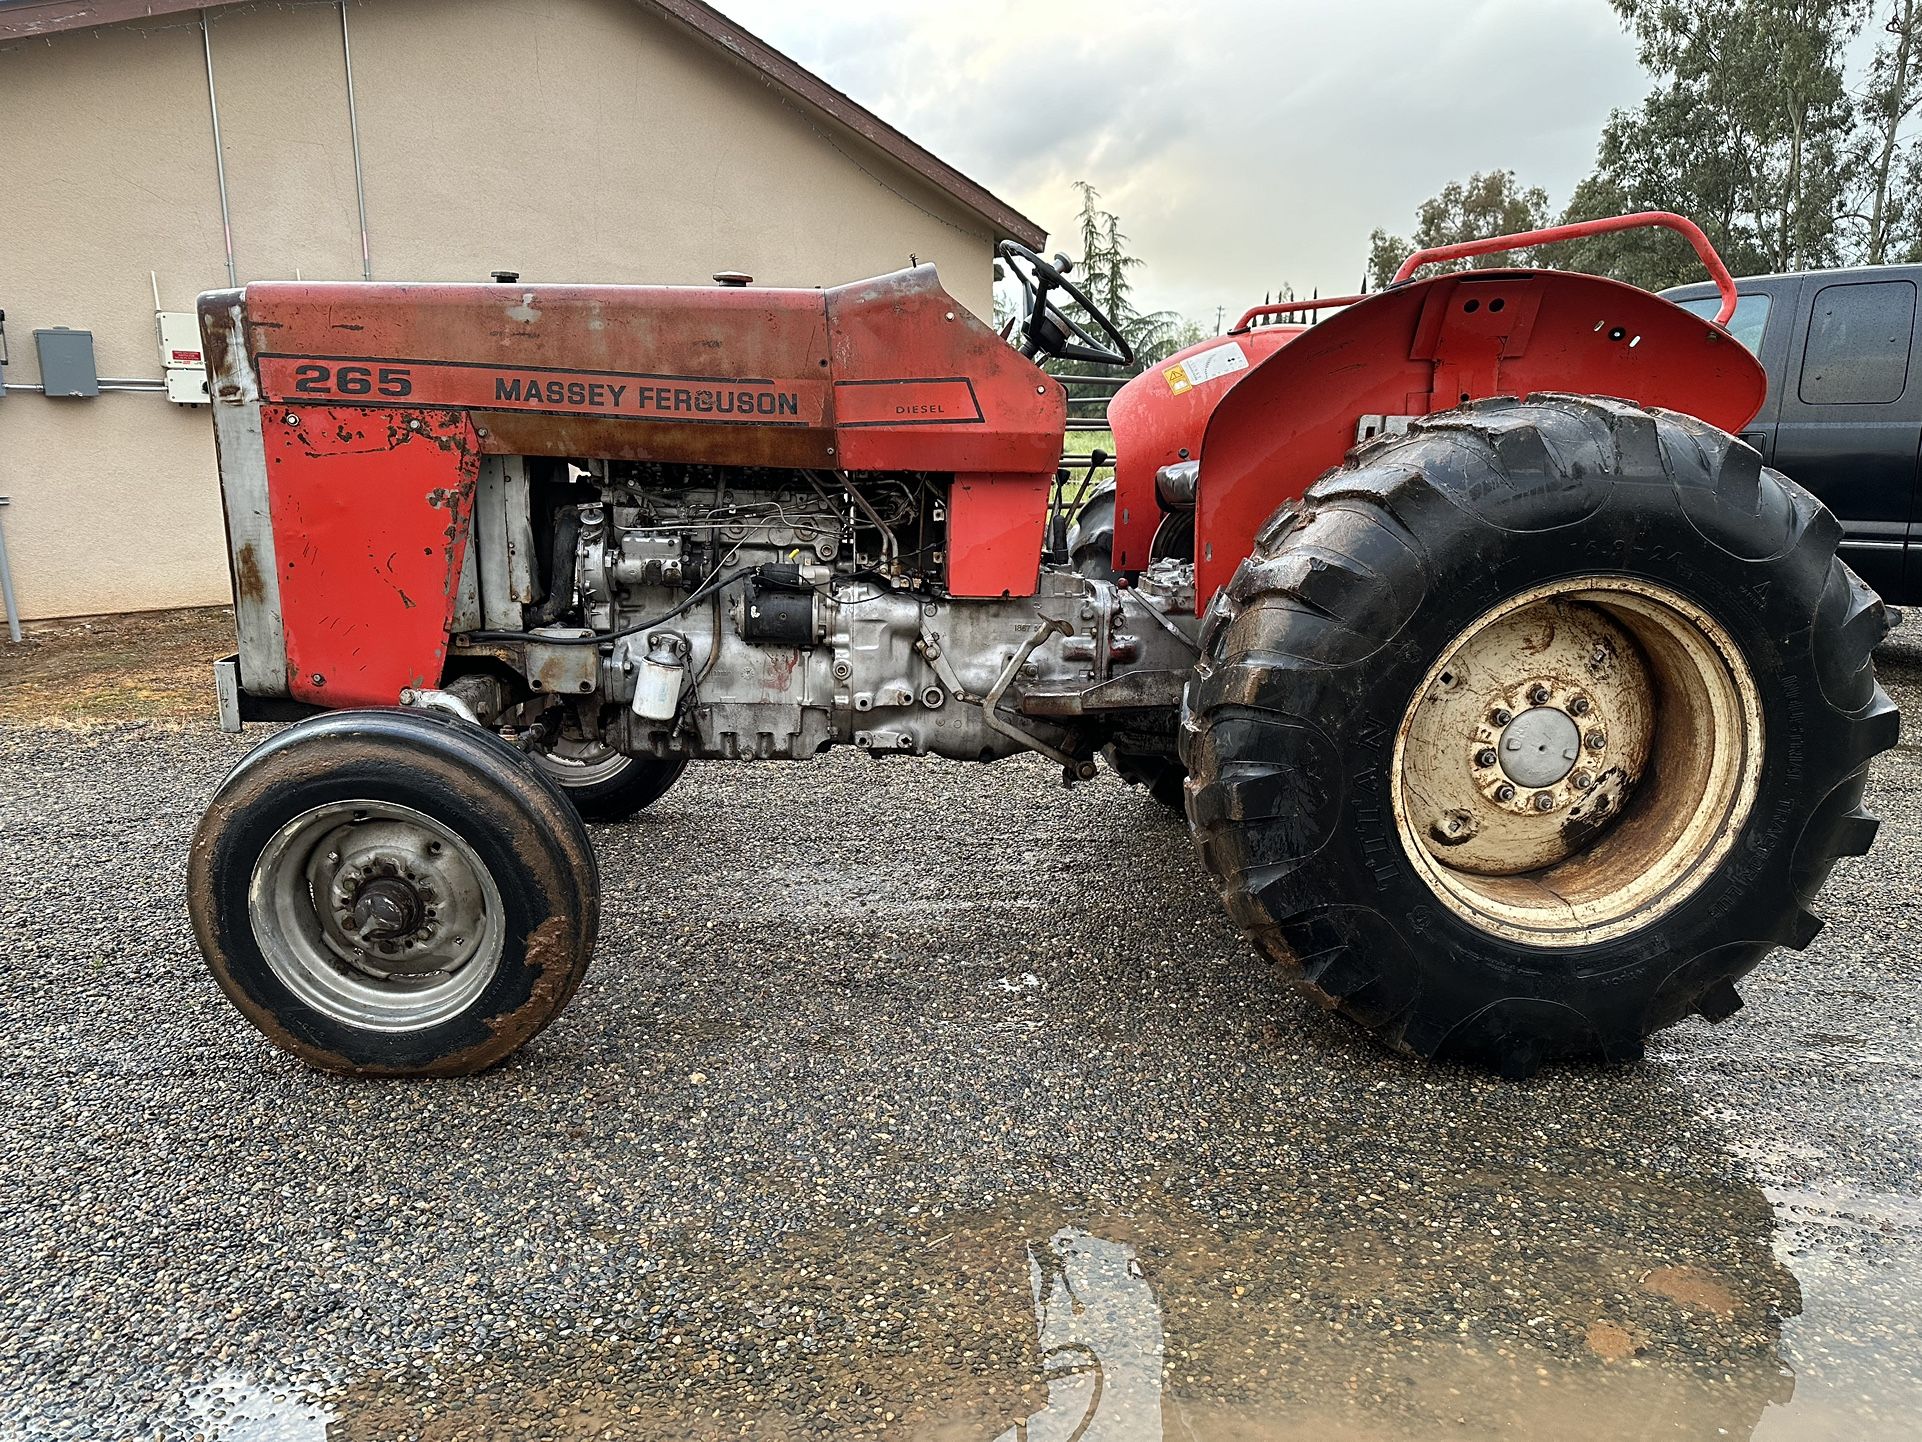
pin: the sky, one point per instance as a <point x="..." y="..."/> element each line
<point x="1244" y="143"/>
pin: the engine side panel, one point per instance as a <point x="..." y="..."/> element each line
<point x="371" y="511"/>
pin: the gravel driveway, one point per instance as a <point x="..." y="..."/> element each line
<point x="916" y="1099"/>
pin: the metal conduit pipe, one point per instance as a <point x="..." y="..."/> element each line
<point x="353" y="130"/>
<point x="106" y="383"/>
<point x="6" y="585"/>
<point x="220" y="159"/>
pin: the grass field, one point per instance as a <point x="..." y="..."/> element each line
<point x="152" y="665"/>
<point x="1082" y="444"/>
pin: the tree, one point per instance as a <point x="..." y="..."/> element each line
<point x="1752" y="131"/>
<point x="1105" y="273"/>
<point x="1494" y="203"/>
<point x="1747" y="131"/>
<point x="1885" y="167"/>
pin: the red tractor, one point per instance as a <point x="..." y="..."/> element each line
<point x="1516" y="708"/>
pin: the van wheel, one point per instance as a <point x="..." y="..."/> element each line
<point x="388" y="893"/>
<point x="1526" y="734"/>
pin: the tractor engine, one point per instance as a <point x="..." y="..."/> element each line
<point x="726" y="612"/>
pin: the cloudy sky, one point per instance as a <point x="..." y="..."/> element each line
<point x="1244" y="143"/>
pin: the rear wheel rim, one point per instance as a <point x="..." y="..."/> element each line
<point x="573" y="762"/>
<point x="1578" y="761"/>
<point x="377" y="915"/>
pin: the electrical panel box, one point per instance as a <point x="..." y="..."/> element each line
<point x="66" y="362"/>
<point x="181" y="360"/>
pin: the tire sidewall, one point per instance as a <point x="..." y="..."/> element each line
<point x="632" y="788"/>
<point x="546" y="937"/>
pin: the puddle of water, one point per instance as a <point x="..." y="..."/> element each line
<point x="1098" y="1332"/>
<point x="1858" y="1255"/>
<point x="232" y="1407"/>
<point x="1522" y="1306"/>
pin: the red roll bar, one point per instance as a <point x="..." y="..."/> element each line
<point x="1290" y="307"/>
<point x="1687" y="229"/>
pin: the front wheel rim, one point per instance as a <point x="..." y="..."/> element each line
<point x="1578" y="761"/>
<point x="377" y="915"/>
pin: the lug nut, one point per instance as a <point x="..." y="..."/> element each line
<point x="1581" y="781"/>
<point x="1578" y="706"/>
<point x="1544" y="801"/>
<point x="1486" y="756"/>
<point x="1500" y="717"/>
<point x="1504" y="792"/>
<point x="1538" y="695"/>
<point x="1596" y="741"/>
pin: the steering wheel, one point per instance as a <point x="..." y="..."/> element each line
<point x="1047" y="329"/>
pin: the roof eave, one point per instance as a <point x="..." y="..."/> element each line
<point x="23" y="21"/>
<point x="798" y="80"/>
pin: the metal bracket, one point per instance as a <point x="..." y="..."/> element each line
<point x="930" y="648"/>
<point x="227" y="692"/>
<point x="427" y="699"/>
<point x="1074" y="766"/>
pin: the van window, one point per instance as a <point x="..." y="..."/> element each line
<point x="1751" y="316"/>
<point x="1859" y="336"/>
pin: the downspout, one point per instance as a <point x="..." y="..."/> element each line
<point x="220" y="159"/>
<point x="6" y="589"/>
<point x="353" y="129"/>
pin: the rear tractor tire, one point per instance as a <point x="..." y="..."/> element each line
<point x="1160" y="776"/>
<point x="388" y="893"/>
<point x="1091" y="534"/>
<point x="1526" y="734"/>
<point x="1091" y="553"/>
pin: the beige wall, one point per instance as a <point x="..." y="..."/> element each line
<point x="576" y="140"/>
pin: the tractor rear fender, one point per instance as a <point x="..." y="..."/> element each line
<point x="1428" y="346"/>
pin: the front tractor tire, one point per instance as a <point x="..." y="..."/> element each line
<point x="1527" y="733"/>
<point x="386" y="893"/>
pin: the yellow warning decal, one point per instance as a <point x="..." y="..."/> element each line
<point x="1204" y="366"/>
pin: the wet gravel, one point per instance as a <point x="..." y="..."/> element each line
<point x="862" y="1037"/>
